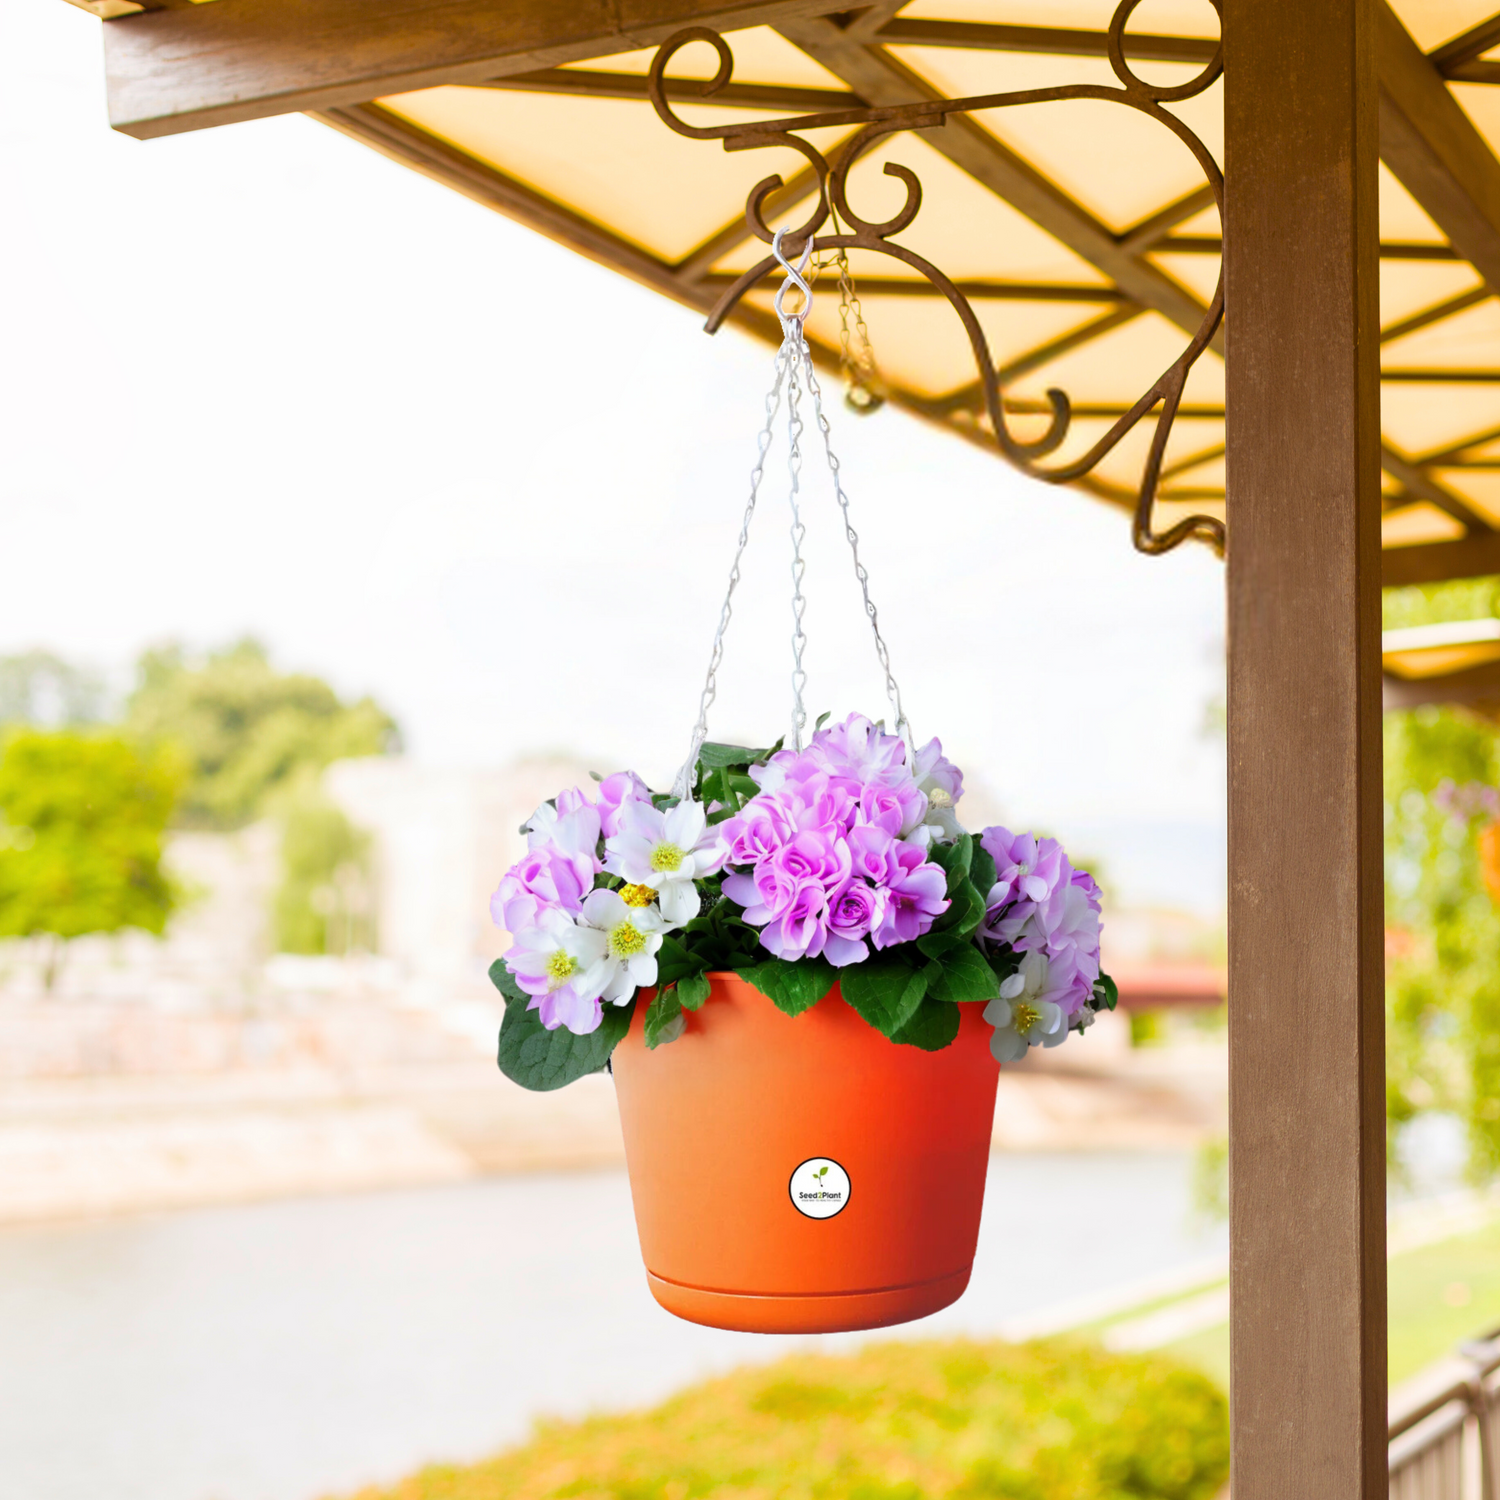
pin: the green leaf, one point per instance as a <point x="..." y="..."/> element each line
<point x="982" y="870"/>
<point x="742" y="785"/>
<point x="693" y="990"/>
<point x="932" y="1027"/>
<point x="505" y="982"/>
<point x="965" y="911"/>
<point x="674" y="962"/>
<point x="955" y="859"/>
<point x="792" y="987"/>
<point x="1110" y="996"/>
<point x="885" y="990"/>
<point x="964" y="976"/>
<point x="713" y="756"/>
<point x="543" y="1060"/>
<point x="664" y="1021"/>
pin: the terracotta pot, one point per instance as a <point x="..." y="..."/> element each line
<point x="727" y="1128"/>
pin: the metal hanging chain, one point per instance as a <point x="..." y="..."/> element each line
<point x="864" y="390"/>
<point x="794" y="370"/>
<point x="892" y="690"/>
<point x="684" y="779"/>
<point x="798" y="532"/>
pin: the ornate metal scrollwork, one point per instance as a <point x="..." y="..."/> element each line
<point x="1028" y="456"/>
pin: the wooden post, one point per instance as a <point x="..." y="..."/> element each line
<point x="1306" y="1029"/>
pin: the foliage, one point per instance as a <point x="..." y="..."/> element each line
<point x="247" y="730"/>
<point x="81" y="823"/>
<point x="897" y="1421"/>
<point x="46" y="692"/>
<point x="1443" y="974"/>
<point x="543" y="1060"/>
<point x="909" y="991"/>
<point x="323" y="904"/>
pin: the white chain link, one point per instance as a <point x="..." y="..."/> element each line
<point x="794" y="370"/>
<point x="798" y="533"/>
<point x="711" y="683"/>
<point x="892" y="691"/>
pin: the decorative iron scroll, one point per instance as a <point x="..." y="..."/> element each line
<point x="1135" y="93"/>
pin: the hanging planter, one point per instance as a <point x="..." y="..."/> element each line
<point x="805" y="973"/>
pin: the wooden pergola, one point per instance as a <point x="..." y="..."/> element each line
<point x="1343" y="423"/>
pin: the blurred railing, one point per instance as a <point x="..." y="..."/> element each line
<point x="1443" y="1448"/>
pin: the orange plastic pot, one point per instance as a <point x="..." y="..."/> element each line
<point x="727" y="1128"/>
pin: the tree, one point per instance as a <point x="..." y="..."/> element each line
<point x="1442" y="808"/>
<point x="246" y="730"/>
<point x="324" y="903"/>
<point x="81" y="823"/>
<point x="39" y="688"/>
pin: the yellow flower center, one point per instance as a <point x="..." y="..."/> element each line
<point x="626" y="939"/>
<point x="665" y="858"/>
<point x="1024" y="1017"/>
<point x="561" y="967"/>
<point x="637" y="895"/>
<point x="938" y="797"/>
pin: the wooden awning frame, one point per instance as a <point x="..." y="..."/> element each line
<point x="174" y="66"/>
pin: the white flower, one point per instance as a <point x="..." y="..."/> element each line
<point x="666" y="851"/>
<point x="632" y="934"/>
<point x="558" y="954"/>
<point x="1021" y="1016"/>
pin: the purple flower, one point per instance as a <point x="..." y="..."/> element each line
<point x="544" y="878"/>
<point x="918" y="897"/>
<point x="896" y="808"/>
<point x="1025" y="868"/>
<point x="815" y="855"/>
<point x="853" y="913"/>
<point x="1090" y="888"/>
<point x="616" y="793"/>
<point x="765" y="825"/>
<point x="932" y="770"/>
<point x="801" y="928"/>
<point x="872" y="852"/>
<point x="857" y="749"/>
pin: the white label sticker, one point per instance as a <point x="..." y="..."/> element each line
<point x="819" y="1188"/>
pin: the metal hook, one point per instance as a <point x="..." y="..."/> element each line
<point x="793" y="279"/>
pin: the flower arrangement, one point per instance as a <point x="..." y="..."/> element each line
<point x="794" y="868"/>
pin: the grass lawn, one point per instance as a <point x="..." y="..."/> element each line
<point x="899" y="1421"/>
<point x="1439" y="1295"/>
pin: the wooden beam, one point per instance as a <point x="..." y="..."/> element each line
<point x="1423" y="486"/>
<point x="184" y="69"/>
<point x="1306" y="900"/>
<point x="1435" y="151"/>
<point x="1465" y="47"/>
<point x="1402" y="376"/>
<point x="1211" y="244"/>
<point x="1435" y="314"/>
<point x="1435" y="562"/>
<point x="971" y="397"/>
<point x="1001" y="291"/>
<point x="880" y="79"/>
<point x="1472" y="685"/>
<point x="983" y="35"/>
<point x="590" y="84"/>
<point x="1151" y="231"/>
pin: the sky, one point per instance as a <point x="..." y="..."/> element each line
<point x="259" y="380"/>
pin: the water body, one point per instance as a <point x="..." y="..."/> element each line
<point x="288" y="1350"/>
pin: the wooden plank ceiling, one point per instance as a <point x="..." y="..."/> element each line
<point x="1082" y="232"/>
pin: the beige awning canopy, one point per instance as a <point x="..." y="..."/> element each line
<point x="1083" y="233"/>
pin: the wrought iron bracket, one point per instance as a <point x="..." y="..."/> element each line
<point x="833" y="179"/>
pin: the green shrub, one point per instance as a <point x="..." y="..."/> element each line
<point x="914" y="1421"/>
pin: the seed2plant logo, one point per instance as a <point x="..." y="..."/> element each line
<point x="819" y="1188"/>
